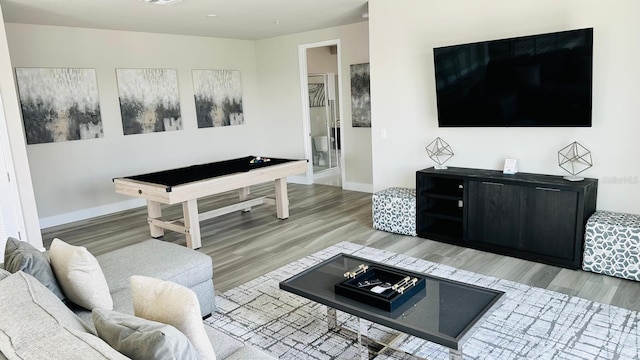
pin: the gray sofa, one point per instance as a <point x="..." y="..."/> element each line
<point x="71" y="328"/>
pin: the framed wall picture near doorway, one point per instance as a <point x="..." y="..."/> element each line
<point x="360" y="96"/>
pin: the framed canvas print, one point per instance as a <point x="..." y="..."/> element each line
<point x="218" y="97"/>
<point x="360" y="96"/>
<point x="316" y="95"/>
<point x="149" y="100"/>
<point x="59" y="104"/>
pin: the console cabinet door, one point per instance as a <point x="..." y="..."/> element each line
<point x="493" y="213"/>
<point x="549" y="227"/>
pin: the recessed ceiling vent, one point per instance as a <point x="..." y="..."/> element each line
<point x="162" y="2"/>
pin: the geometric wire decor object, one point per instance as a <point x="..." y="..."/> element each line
<point x="574" y="159"/>
<point x="439" y="151"/>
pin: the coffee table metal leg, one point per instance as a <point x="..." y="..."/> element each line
<point x="455" y="354"/>
<point x="332" y="319"/>
<point x="364" y="341"/>
<point x="363" y="335"/>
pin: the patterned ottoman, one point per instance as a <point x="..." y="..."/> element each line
<point x="612" y="245"/>
<point x="394" y="210"/>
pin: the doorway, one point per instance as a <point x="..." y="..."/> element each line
<point x="320" y="79"/>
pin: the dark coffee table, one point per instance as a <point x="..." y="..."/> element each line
<point x="444" y="312"/>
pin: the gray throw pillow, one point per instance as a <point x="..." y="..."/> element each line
<point x="142" y="339"/>
<point x="22" y="256"/>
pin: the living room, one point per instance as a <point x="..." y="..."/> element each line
<point x="397" y="41"/>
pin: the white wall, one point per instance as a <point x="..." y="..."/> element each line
<point x="72" y="179"/>
<point x="280" y="92"/>
<point x="404" y="103"/>
<point x="15" y="155"/>
<point x="320" y="60"/>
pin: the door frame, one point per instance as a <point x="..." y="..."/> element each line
<point x="11" y="208"/>
<point x="306" y="116"/>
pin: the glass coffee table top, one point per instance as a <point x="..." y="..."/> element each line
<point x="444" y="312"/>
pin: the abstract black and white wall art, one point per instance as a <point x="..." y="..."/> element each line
<point x="218" y="97"/>
<point x="149" y="100"/>
<point x="59" y="104"/>
<point x="316" y="95"/>
<point x="360" y="96"/>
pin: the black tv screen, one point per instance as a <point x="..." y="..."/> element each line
<point x="538" y="80"/>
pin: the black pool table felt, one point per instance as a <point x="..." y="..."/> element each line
<point x="175" y="177"/>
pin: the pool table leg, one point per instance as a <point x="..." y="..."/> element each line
<point x="282" y="198"/>
<point x="192" y="223"/>
<point x="154" y="211"/>
<point x="244" y="194"/>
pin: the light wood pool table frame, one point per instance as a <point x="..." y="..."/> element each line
<point x="189" y="193"/>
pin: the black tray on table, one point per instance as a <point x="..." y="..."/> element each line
<point x="389" y="299"/>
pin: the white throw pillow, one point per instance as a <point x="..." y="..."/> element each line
<point x="80" y="276"/>
<point x="173" y="304"/>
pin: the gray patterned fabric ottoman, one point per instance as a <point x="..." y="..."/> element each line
<point x="612" y="245"/>
<point x="394" y="210"/>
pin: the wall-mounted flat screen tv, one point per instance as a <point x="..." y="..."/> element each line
<point x="538" y="80"/>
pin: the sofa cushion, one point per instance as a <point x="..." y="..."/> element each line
<point x="122" y="300"/>
<point x="35" y="324"/>
<point x="223" y="344"/>
<point x="4" y="273"/>
<point x="249" y="352"/>
<point x="172" y="304"/>
<point x="80" y="275"/>
<point x="22" y="256"/>
<point x="150" y="258"/>
<point x="229" y="348"/>
<point x="142" y="339"/>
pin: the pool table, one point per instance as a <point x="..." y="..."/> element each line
<point x="186" y="185"/>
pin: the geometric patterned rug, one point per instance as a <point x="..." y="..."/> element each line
<point x="530" y="323"/>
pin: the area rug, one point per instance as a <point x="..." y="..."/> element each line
<point x="531" y="323"/>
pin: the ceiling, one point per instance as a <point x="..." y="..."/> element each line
<point x="237" y="19"/>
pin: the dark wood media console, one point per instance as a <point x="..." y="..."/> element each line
<point x="530" y="216"/>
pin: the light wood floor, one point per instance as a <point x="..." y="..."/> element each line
<point x="246" y="245"/>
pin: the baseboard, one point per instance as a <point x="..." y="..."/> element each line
<point x="299" y="179"/>
<point x="90" y="213"/>
<point x="361" y="187"/>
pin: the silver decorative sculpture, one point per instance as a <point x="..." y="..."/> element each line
<point x="574" y="159"/>
<point x="439" y="151"/>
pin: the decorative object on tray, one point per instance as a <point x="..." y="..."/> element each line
<point x="574" y="159"/>
<point x="384" y="288"/>
<point x="440" y="152"/>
